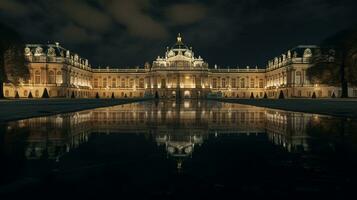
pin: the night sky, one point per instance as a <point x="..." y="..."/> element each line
<point x="123" y="33"/>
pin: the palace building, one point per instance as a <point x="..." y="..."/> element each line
<point x="178" y="74"/>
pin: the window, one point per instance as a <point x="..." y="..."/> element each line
<point x="104" y="82"/>
<point x="141" y="83"/>
<point x="261" y="83"/>
<point x="354" y="93"/>
<point x="59" y="77"/>
<point x="51" y="77"/>
<point x="163" y="83"/>
<point x="131" y="83"/>
<point x="25" y="93"/>
<point x="37" y="77"/>
<point x="223" y="83"/>
<point x="95" y="84"/>
<point x="37" y="93"/>
<point x="122" y="85"/>
<point x="233" y="83"/>
<point x="242" y="83"/>
<point x="252" y="84"/>
<point x="114" y="83"/>
<point x="214" y="84"/>
<point x="298" y="78"/>
<point x="6" y="93"/>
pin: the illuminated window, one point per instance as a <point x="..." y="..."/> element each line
<point x="214" y="83"/>
<point x="51" y="77"/>
<point x="261" y="83"/>
<point x="223" y="83"/>
<point x="298" y="78"/>
<point x="95" y="84"/>
<point x="242" y="83"/>
<point x="141" y="83"/>
<point x="252" y="84"/>
<point x="114" y="83"/>
<point x="131" y="83"/>
<point x="234" y="84"/>
<point x="104" y="82"/>
<point x="37" y="77"/>
<point x="59" y="77"/>
<point x="122" y="85"/>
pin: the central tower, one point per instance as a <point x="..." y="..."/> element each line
<point x="179" y="74"/>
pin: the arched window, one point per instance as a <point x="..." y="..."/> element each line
<point x="122" y="84"/>
<point x="25" y="93"/>
<point x="131" y="83"/>
<point x="59" y="77"/>
<point x="298" y="77"/>
<point x="223" y="83"/>
<point x="141" y="83"/>
<point x="261" y="83"/>
<point x="163" y="83"/>
<point x="252" y="83"/>
<point x="214" y="83"/>
<point x="233" y="83"/>
<point x="104" y="82"/>
<point x="37" y="77"/>
<point x="37" y="94"/>
<point x="242" y="83"/>
<point x="51" y="77"/>
<point x="114" y="83"/>
<point x="95" y="83"/>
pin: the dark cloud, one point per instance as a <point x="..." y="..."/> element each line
<point x="75" y="35"/>
<point x="183" y="14"/>
<point x="133" y="15"/>
<point x="85" y="15"/>
<point x="129" y="32"/>
<point x="12" y="7"/>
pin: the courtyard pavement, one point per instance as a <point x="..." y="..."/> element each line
<point x="334" y="107"/>
<point x="16" y="109"/>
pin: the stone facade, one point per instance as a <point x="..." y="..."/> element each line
<point x="178" y="74"/>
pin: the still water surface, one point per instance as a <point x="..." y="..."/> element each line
<point x="175" y="150"/>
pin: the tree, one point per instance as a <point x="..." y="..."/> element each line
<point x="97" y="95"/>
<point x="12" y="60"/>
<point x="45" y="94"/>
<point x="17" y="94"/>
<point x="265" y="95"/>
<point x="281" y="95"/>
<point x="333" y="95"/>
<point x="113" y="97"/>
<point x="313" y="95"/>
<point x="30" y="95"/>
<point x="72" y="95"/>
<point x="251" y="95"/>
<point x="336" y="66"/>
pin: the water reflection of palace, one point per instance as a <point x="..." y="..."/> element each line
<point x="179" y="127"/>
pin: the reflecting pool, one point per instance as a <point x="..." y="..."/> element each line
<point x="174" y="150"/>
